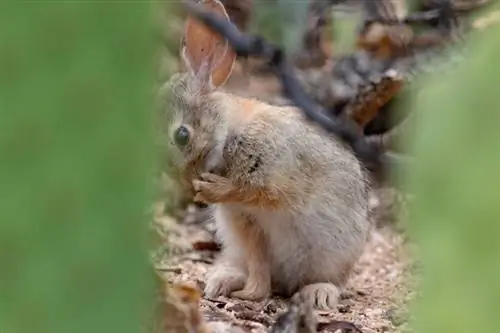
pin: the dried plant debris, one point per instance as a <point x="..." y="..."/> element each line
<point x="362" y="83"/>
<point x="298" y="319"/>
<point x="379" y="63"/>
<point x="367" y="103"/>
<point x="178" y="309"/>
<point x="316" y="42"/>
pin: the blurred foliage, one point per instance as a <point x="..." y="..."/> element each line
<point x="345" y="32"/>
<point x="77" y="163"/>
<point x="168" y="188"/>
<point x="294" y="18"/>
<point x="168" y="24"/>
<point x="456" y="211"/>
<point x="282" y="22"/>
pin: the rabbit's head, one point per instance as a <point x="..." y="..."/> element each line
<point x="199" y="126"/>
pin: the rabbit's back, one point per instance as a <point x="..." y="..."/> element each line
<point x="319" y="229"/>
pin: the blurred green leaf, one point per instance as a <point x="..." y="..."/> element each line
<point x="282" y="22"/>
<point x="345" y="32"/>
<point x="77" y="160"/>
<point x="456" y="211"/>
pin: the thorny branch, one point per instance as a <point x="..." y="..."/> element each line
<point x="249" y="45"/>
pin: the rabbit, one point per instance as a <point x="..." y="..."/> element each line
<point x="290" y="200"/>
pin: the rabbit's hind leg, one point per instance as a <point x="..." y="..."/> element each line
<point x="322" y="296"/>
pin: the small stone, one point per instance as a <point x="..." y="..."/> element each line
<point x="360" y="292"/>
<point x="344" y="308"/>
<point x="270" y="308"/>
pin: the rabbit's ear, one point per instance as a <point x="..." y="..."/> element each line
<point x="206" y="53"/>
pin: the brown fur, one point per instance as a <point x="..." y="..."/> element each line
<point x="290" y="201"/>
<point x="279" y="186"/>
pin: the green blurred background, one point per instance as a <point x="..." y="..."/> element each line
<point x="455" y="218"/>
<point x="77" y="160"/>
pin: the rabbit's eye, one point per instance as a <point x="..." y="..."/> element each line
<point x="181" y="136"/>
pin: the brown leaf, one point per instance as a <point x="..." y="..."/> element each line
<point x="386" y="42"/>
<point x="182" y="311"/>
<point x="369" y="102"/>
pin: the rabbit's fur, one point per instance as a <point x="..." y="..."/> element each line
<point x="290" y="200"/>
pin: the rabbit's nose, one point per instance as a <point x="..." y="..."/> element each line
<point x="218" y="169"/>
<point x="200" y="205"/>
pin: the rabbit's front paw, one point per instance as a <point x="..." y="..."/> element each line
<point x="254" y="293"/>
<point x="211" y="188"/>
<point x="221" y="281"/>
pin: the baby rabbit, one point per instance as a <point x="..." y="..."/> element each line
<point x="290" y="200"/>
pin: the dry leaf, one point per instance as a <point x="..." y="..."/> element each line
<point x="182" y="311"/>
